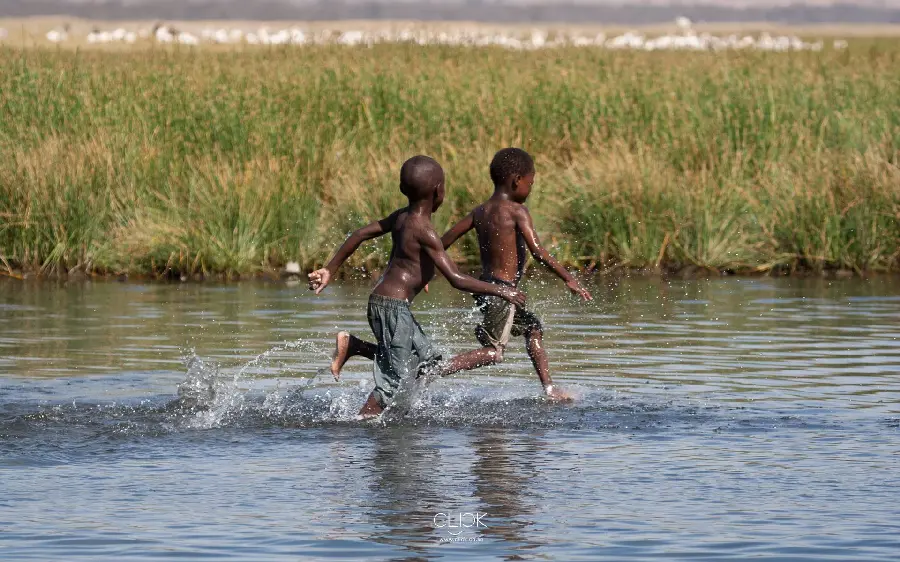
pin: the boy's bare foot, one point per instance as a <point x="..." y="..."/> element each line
<point x="371" y="408"/>
<point x="341" y="353"/>
<point x="556" y="394"/>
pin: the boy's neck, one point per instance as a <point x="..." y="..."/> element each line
<point x="420" y="208"/>
<point x="502" y="193"/>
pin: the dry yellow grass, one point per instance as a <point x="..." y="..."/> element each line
<point x="235" y="161"/>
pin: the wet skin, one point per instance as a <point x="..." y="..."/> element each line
<point x="416" y="252"/>
<point x="505" y="231"/>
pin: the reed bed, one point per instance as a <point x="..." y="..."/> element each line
<point x="228" y="162"/>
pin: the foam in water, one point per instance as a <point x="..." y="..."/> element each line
<point x="216" y="397"/>
<point x="268" y="391"/>
<point x="210" y="397"/>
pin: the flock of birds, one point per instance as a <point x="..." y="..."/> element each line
<point x="686" y="39"/>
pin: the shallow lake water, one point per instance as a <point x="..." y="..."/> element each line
<point x="715" y="419"/>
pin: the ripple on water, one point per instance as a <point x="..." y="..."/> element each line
<point x="716" y="419"/>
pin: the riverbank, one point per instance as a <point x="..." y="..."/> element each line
<point x="231" y="164"/>
<point x="290" y="277"/>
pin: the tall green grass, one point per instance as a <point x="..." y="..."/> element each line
<point x="222" y="162"/>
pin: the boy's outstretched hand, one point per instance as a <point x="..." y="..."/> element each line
<point x="514" y="296"/>
<point x="579" y="290"/>
<point x="319" y="279"/>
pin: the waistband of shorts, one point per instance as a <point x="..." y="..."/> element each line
<point x="388" y="302"/>
<point x="493" y="280"/>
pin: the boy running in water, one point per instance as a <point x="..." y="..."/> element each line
<point x="403" y="350"/>
<point x="505" y="231"/>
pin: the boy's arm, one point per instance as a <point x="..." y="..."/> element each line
<point x="319" y="278"/>
<point x="526" y="227"/>
<point x="458" y="229"/>
<point x="434" y="250"/>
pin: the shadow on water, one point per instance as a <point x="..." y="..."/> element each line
<point x="415" y="509"/>
<point x="505" y="482"/>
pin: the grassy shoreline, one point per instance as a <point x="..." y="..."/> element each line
<point x="229" y="164"/>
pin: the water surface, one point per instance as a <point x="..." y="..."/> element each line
<point x="720" y="419"/>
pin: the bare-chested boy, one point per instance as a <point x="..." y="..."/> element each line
<point x="403" y="350"/>
<point x="505" y="231"/>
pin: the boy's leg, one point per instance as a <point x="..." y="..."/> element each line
<point x="346" y="345"/>
<point x="488" y="355"/>
<point x="492" y="334"/>
<point x="534" y="343"/>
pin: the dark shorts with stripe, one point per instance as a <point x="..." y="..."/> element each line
<point x="404" y="351"/>
<point x="501" y="319"/>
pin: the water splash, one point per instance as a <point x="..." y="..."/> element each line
<point x="284" y="388"/>
<point x="215" y="398"/>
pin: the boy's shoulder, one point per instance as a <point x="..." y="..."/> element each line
<point x="413" y="222"/>
<point x="492" y="206"/>
<point x="394" y="216"/>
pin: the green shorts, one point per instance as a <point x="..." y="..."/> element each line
<point x="502" y="318"/>
<point x="404" y="351"/>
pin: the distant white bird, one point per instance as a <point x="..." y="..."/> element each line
<point x="351" y="38"/>
<point x="297" y="37"/>
<point x="163" y="34"/>
<point x="280" y="38"/>
<point x="185" y="38"/>
<point x="582" y="41"/>
<point x="98" y="36"/>
<point x="683" y="23"/>
<point x="58" y="35"/>
<point x="840" y="44"/>
<point x="219" y="36"/>
<point x="629" y="40"/>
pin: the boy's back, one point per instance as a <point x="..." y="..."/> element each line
<point x="500" y="242"/>
<point x="409" y="268"/>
